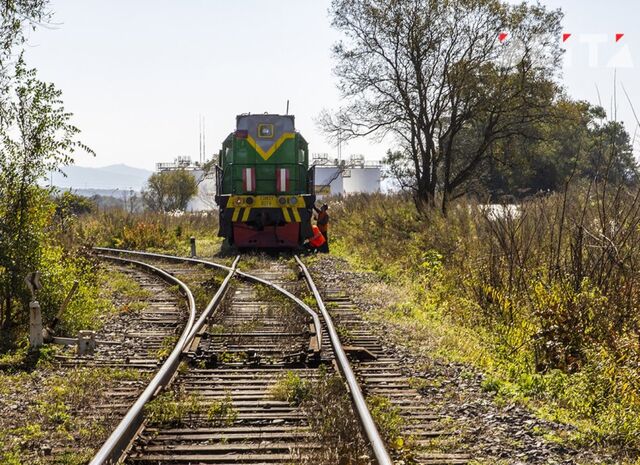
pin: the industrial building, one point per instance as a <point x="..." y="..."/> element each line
<point x="343" y="177"/>
<point x="332" y="177"/>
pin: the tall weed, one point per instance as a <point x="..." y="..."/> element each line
<point x="550" y="287"/>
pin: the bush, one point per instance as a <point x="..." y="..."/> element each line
<point x="151" y="231"/>
<point x="545" y="293"/>
<point x="291" y="388"/>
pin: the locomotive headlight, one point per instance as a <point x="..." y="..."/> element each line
<point x="282" y="200"/>
<point x="293" y="200"/>
<point x="265" y="131"/>
<point x="239" y="201"/>
<point x="249" y="200"/>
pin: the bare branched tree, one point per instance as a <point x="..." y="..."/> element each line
<point x="434" y="75"/>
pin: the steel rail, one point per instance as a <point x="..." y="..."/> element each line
<point x="247" y="276"/>
<point x="120" y="439"/>
<point x="369" y="426"/>
<point x="213" y="303"/>
<point x="362" y="410"/>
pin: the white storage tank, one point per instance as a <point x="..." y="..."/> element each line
<point x="328" y="181"/>
<point x="340" y="177"/>
<point x="365" y="179"/>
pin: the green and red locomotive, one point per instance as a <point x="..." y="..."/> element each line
<point x="264" y="187"/>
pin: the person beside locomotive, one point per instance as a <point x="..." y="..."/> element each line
<point x="317" y="241"/>
<point x="322" y="222"/>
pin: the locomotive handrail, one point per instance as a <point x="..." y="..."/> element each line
<point x="120" y="439"/>
<point x="369" y="426"/>
<point x="314" y="315"/>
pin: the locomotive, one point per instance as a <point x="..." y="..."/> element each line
<point x="264" y="185"/>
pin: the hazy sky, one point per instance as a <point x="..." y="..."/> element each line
<point x="137" y="74"/>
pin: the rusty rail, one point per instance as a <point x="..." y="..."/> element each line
<point x="314" y="315"/>
<point x="120" y="439"/>
<point x="359" y="402"/>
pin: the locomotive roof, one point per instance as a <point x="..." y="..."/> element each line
<point x="247" y="120"/>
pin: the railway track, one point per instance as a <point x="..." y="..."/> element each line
<point x="135" y="340"/>
<point x="252" y="336"/>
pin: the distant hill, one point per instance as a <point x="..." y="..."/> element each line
<point x="121" y="177"/>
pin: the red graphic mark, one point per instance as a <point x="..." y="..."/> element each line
<point x="618" y="36"/>
<point x="565" y="36"/>
<point x="502" y="36"/>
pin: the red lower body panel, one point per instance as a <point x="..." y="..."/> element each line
<point x="287" y="236"/>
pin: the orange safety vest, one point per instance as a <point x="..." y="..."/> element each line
<point x="323" y="221"/>
<point x="318" y="239"/>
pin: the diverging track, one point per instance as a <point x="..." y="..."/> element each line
<point x="224" y="403"/>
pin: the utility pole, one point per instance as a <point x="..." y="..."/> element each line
<point x="200" y="138"/>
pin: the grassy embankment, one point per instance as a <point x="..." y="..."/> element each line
<point x="543" y="301"/>
<point x="64" y="256"/>
<point x="45" y="411"/>
<point x="154" y="232"/>
<point x="51" y="411"/>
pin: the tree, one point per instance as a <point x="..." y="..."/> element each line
<point x="35" y="138"/>
<point x="584" y="146"/>
<point x="69" y="205"/>
<point x="170" y="190"/>
<point x="14" y="15"/>
<point x="434" y="75"/>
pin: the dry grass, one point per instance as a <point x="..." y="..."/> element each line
<point x="546" y="295"/>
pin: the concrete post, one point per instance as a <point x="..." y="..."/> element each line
<point x="86" y="342"/>
<point x="193" y="246"/>
<point x="35" y="324"/>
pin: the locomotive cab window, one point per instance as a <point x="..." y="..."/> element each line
<point x="265" y="131"/>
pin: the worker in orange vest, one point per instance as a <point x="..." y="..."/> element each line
<point x="323" y="225"/>
<point x="318" y="239"/>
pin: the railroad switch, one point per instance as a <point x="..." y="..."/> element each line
<point x="359" y="353"/>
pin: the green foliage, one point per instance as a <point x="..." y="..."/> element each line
<point x="291" y="388"/>
<point x="35" y="138"/>
<point x="464" y="92"/>
<point x="69" y="204"/>
<point x="166" y="347"/>
<point x="173" y="408"/>
<point x="169" y="191"/>
<point x="15" y="16"/>
<point x="24" y="358"/>
<point x="151" y="231"/>
<point x="54" y="412"/>
<point x="11" y="458"/>
<point x="388" y="420"/>
<point x="88" y="307"/>
<point x="75" y="457"/>
<point x="585" y="145"/>
<point x="126" y="288"/>
<point x="222" y="412"/>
